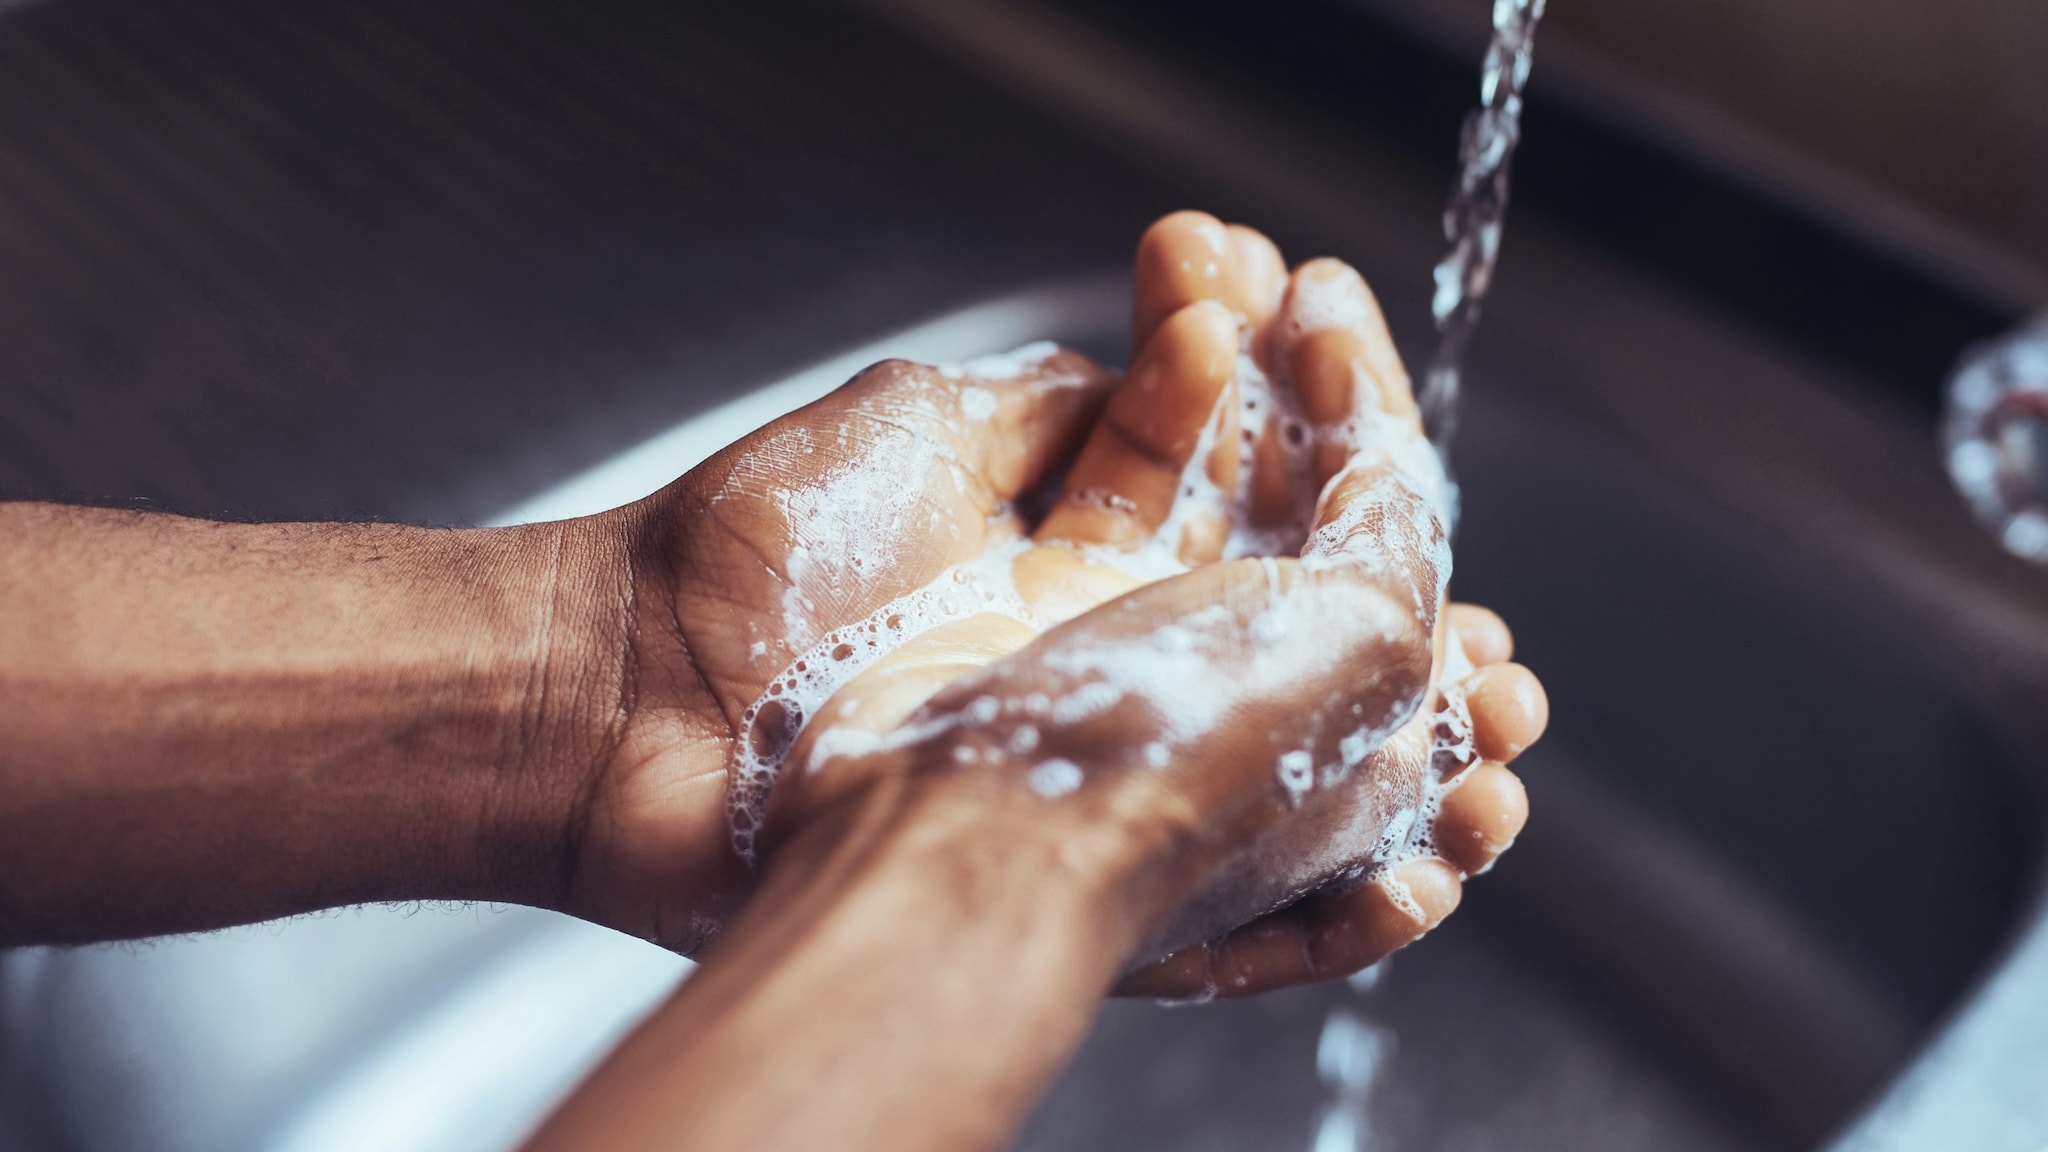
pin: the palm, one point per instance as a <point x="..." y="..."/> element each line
<point x="812" y="524"/>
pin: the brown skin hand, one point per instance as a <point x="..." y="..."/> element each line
<point x="891" y="464"/>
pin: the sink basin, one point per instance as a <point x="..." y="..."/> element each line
<point x="1774" y="847"/>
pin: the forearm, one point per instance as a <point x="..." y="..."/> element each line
<point x="204" y="723"/>
<point x="916" y="983"/>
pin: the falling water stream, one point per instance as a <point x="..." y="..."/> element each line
<point x="1352" y="1051"/>
<point x="1477" y="209"/>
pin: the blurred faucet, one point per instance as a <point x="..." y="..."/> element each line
<point x="1996" y="436"/>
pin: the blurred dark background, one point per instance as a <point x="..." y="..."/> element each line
<point x="313" y="260"/>
<point x="379" y="259"/>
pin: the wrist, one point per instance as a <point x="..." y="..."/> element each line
<point x="564" y="693"/>
<point x="910" y="922"/>
<point x="979" y="853"/>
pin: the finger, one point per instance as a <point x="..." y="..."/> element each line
<point x="1321" y="938"/>
<point x="1338" y="359"/>
<point x="1182" y="259"/>
<point x="1184" y="975"/>
<point x="1484" y="635"/>
<point x="1276" y="492"/>
<point x="1061" y="583"/>
<point x="1352" y="930"/>
<point x="1133" y="469"/>
<point x="1332" y="341"/>
<point x="1481" y="817"/>
<point x="1202" y="711"/>
<point x="1329" y="295"/>
<point x="855" y="718"/>
<point x="1373" y="516"/>
<point x="1025" y="418"/>
<point x="1262" y="275"/>
<point x="1509" y="710"/>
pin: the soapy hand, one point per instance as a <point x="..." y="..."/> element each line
<point x="807" y="528"/>
<point x="851" y="599"/>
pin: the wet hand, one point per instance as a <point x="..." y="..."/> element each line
<point x="811" y="525"/>
<point x="819" y="548"/>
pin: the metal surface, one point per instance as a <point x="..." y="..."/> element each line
<point x="367" y="258"/>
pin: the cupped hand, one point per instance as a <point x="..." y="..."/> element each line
<point x="809" y="525"/>
<point x="852" y="593"/>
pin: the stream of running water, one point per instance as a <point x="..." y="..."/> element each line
<point x="1352" y="1052"/>
<point x="1473" y="218"/>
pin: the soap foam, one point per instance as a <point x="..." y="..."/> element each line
<point x="771" y="725"/>
<point x="1393" y="525"/>
<point x="844" y="517"/>
<point x="1452" y="754"/>
<point x="1002" y="365"/>
<point x="1054" y="778"/>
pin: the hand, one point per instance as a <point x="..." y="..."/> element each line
<point x="819" y="521"/>
<point x="213" y="723"/>
<point x="809" y="525"/>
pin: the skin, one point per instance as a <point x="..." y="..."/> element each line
<point x="1200" y="286"/>
<point x="207" y="724"/>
